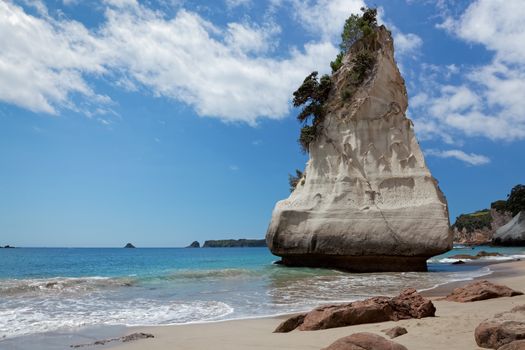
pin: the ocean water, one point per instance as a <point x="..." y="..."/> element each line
<point x="57" y="289"/>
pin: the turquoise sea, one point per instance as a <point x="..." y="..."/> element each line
<point x="46" y="290"/>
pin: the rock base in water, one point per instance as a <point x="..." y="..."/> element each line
<point x="358" y="263"/>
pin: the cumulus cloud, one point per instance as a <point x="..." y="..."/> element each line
<point x="489" y="102"/>
<point x="237" y="3"/>
<point x="42" y="61"/>
<point x="325" y="17"/>
<point x="222" y="72"/>
<point x="408" y="43"/>
<point x="469" y="158"/>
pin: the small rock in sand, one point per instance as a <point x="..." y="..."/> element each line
<point x="395" y="331"/>
<point x="364" y="341"/>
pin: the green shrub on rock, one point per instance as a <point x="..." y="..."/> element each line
<point x="516" y="201"/>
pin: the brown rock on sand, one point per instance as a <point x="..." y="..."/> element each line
<point x="395" y="332"/>
<point x="502" y="329"/>
<point x="364" y="341"/>
<point x="480" y="290"/>
<point x="409" y="304"/>
<point x="290" y="324"/>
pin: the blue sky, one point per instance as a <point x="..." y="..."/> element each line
<point x="161" y="122"/>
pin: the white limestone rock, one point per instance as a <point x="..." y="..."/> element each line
<point x="513" y="233"/>
<point x="368" y="202"/>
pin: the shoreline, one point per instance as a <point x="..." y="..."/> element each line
<point x="427" y="333"/>
<point x="220" y="330"/>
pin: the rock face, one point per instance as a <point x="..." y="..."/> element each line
<point x="513" y="233"/>
<point x="480" y="290"/>
<point x="409" y="304"/>
<point x="502" y="329"/>
<point x="364" y="341"/>
<point x="515" y="345"/>
<point x="368" y="201"/>
<point x="483" y="235"/>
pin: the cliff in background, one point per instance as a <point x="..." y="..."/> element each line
<point x="234" y="243"/>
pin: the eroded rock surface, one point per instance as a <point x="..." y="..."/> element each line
<point x="515" y="345"/>
<point x="364" y="341"/>
<point x="409" y="304"/>
<point x="368" y="201"/>
<point x="513" y="233"/>
<point x="480" y="290"/>
<point x="502" y="329"/>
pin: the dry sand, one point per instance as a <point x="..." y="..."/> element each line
<point x="452" y="328"/>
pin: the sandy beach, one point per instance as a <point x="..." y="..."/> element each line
<point x="452" y="328"/>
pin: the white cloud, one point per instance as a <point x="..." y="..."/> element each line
<point x="489" y="101"/>
<point x="237" y="3"/>
<point x="220" y="72"/>
<point x="325" y="17"/>
<point x="42" y="61"/>
<point x="408" y="43"/>
<point x="469" y="158"/>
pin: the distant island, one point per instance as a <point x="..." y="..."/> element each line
<point x="235" y="243"/>
<point x="195" y="244"/>
<point x="7" y="246"/>
<point x="129" y="245"/>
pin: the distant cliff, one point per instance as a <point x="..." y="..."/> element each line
<point x="479" y="227"/>
<point x="234" y="243"/>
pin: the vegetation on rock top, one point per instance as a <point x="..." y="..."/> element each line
<point x="314" y="92"/>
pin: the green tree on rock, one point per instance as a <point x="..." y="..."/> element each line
<point x="516" y="201"/>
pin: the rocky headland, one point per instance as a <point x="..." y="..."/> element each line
<point x="366" y="201"/>
<point x="234" y="243"/>
<point x="499" y="225"/>
<point x="513" y="233"/>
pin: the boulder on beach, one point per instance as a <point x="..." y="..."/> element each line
<point x="129" y="245"/>
<point x="366" y="201"/>
<point x="408" y="304"/>
<point x="364" y="341"/>
<point x="504" y="328"/>
<point x="513" y="233"/>
<point x="480" y="290"/>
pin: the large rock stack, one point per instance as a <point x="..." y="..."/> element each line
<point x="368" y="202"/>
